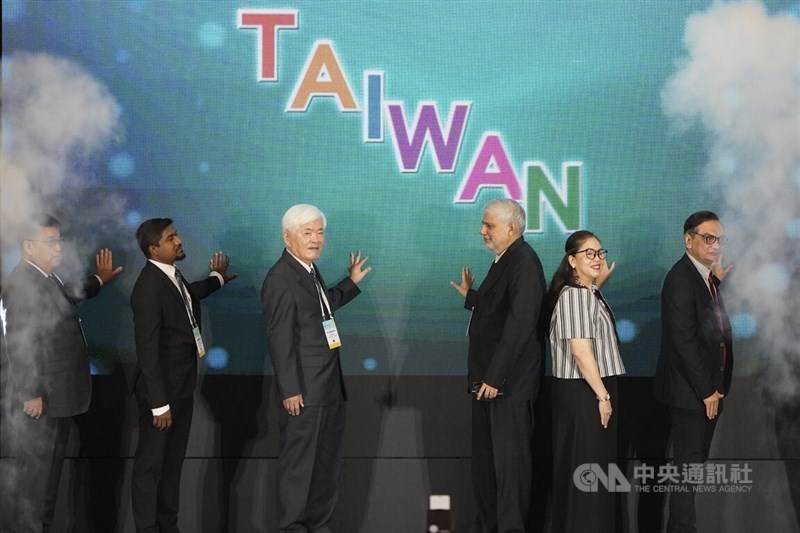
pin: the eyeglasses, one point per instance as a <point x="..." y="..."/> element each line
<point x="50" y="243"/>
<point x="710" y="239"/>
<point x="592" y="253"/>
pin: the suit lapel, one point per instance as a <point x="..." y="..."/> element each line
<point x="301" y="274"/>
<point x="496" y="269"/>
<point x="167" y="283"/>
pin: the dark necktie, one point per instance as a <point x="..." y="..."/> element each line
<point x="326" y="312"/>
<point x="712" y="285"/>
<point x="55" y="279"/>
<point x="186" y="301"/>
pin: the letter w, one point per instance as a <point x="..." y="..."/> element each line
<point x="426" y="129"/>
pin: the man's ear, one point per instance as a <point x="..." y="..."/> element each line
<point x="27" y="247"/>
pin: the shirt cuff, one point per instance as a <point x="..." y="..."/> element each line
<point x="98" y="279"/>
<point x="219" y="277"/>
<point x="160" y="410"/>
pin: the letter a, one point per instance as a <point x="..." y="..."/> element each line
<point x="322" y="76"/>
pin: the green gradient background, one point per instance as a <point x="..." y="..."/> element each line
<point x="215" y="151"/>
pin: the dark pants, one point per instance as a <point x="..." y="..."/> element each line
<point x="502" y="438"/>
<point x="578" y="439"/>
<point x="41" y="446"/>
<point x="156" y="478"/>
<point x="308" y="467"/>
<point x="692" y="432"/>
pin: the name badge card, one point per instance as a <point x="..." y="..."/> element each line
<point x="331" y="333"/>
<point x="198" y="340"/>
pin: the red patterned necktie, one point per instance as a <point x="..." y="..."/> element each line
<point x="718" y="310"/>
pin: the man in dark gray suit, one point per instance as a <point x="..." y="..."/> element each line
<point x="49" y="365"/>
<point x="504" y="369"/>
<point x="304" y="349"/>
<point x="695" y="363"/>
<point x="167" y="320"/>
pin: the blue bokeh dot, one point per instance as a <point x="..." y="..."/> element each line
<point x="204" y="167"/>
<point x="217" y="358"/>
<point x="744" y="325"/>
<point x="370" y="364"/>
<point x="122" y="165"/>
<point x="13" y="10"/>
<point x="773" y="278"/>
<point x="627" y="330"/>
<point x="727" y="164"/>
<point x="137" y="6"/>
<point x="211" y="35"/>
<point x="133" y="218"/>
<point x="793" y="228"/>
<point x="122" y="56"/>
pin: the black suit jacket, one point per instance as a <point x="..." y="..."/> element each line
<point x="46" y="349"/>
<point x="298" y="348"/>
<point x="690" y="362"/>
<point x="505" y="342"/>
<point x="166" y="353"/>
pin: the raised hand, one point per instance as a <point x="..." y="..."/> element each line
<point x="356" y="267"/>
<point x="466" y="282"/>
<point x="104" y="266"/>
<point x="718" y="270"/>
<point x="219" y="263"/>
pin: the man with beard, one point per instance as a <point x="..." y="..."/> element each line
<point x="166" y="316"/>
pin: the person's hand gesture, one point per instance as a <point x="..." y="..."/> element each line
<point x="605" y="272"/>
<point x="356" y="267"/>
<point x="104" y="266"/>
<point x="718" y="270"/>
<point x="466" y="282"/>
<point x="219" y="264"/>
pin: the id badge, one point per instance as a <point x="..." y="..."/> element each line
<point x="198" y="340"/>
<point x="331" y="333"/>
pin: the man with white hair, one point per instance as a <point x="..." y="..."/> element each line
<point x="303" y="344"/>
<point x="504" y="369"/>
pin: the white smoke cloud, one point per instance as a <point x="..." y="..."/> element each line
<point x="56" y="118"/>
<point x="741" y="83"/>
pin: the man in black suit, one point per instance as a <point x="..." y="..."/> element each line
<point x="504" y="369"/>
<point x="49" y="365"/>
<point x="304" y="349"/>
<point x="166" y="315"/>
<point x="696" y="359"/>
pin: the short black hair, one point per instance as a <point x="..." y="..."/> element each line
<point x="37" y="221"/>
<point x="149" y="233"/>
<point x="695" y="219"/>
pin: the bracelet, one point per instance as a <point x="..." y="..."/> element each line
<point x="606" y="398"/>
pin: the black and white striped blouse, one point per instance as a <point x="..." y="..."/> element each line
<point x="580" y="314"/>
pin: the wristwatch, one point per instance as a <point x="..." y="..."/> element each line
<point x="606" y="398"/>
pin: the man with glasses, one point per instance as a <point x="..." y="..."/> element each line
<point x="695" y="363"/>
<point x="49" y="365"/>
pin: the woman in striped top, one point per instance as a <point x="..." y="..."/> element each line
<point x="586" y="362"/>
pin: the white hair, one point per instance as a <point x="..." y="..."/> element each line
<point x="508" y="211"/>
<point x="301" y="214"/>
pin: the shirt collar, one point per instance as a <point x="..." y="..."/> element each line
<point x="308" y="268"/>
<point x="704" y="271"/>
<point x="37" y="268"/>
<point x="169" y="270"/>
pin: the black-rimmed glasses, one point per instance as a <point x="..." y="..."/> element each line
<point x="592" y="253"/>
<point x="710" y="239"/>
